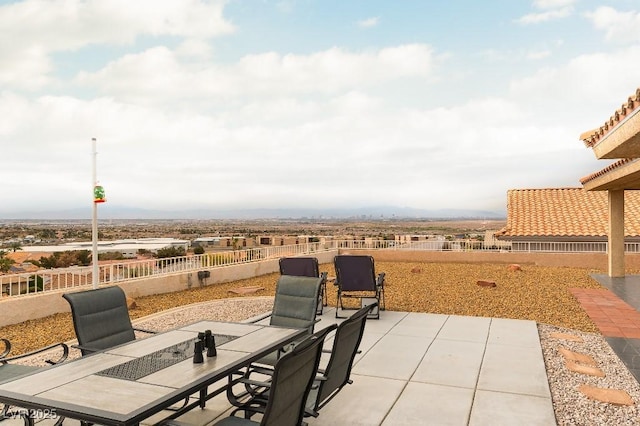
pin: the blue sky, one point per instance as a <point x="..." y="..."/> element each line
<point x="306" y="103"/>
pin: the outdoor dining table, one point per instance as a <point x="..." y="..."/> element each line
<point x="126" y="384"/>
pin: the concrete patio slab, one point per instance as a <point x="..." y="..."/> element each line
<point x="419" y="325"/>
<point x="366" y="402"/>
<point x="514" y="332"/>
<point x="514" y="369"/>
<point x="423" y="403"/>
<point x="451" y="363"/>
<point x="393" y="357"/>
<point x="472" y="329"/>
<point x="508" y="409"/>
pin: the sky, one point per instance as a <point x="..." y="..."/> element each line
<point x="236" y="104"/>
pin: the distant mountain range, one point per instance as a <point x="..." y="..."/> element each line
<point x="107" y="211"/>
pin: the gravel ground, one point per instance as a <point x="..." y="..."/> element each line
<point x="534" y="293"/>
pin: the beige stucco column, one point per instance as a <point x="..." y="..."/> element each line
<point x="616" y="233"/>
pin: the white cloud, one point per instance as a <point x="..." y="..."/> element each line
<point x="620" y="27"/>
<point x="553" y="4"/>
<point x="550" y="11"/>
<point x="159" y="74"/>
<point x="69" y="25"/>
<point x="549" y="15"/>
<point x="369" y="22"/>
<point x="179" y="128"/>
<point x="583" y="90"/>
<point x="538" y="54"/>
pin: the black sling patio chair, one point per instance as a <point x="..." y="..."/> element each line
<point x="337" y="373"/>
<point x="101" y="318"/>
<point x="10" y="371"/>
<point x="294" y="305"/>
<point x="296" y="302"/>
<point x="282" y="400"/>
<point x="306" y="267"/>
<point x="356" y="279"/>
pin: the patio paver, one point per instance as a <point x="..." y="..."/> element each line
<point x="418" y="368"/>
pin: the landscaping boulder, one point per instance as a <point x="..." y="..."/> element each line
<point x="131" y="303"/>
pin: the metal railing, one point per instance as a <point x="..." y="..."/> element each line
<point x="63" y="278"/>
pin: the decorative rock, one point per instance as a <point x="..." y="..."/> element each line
<point x="577" y="357"/>
<point x="566" y="336"/>
<point x="131" y="303"/>
<point x="611" y="396"/>
<point x="486" y="283"/>
<point x="583" y="369"/>
<point x="246" y="290"/>
<point x="514" y="267"/>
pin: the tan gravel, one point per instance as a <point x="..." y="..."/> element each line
<point x="535" y="292"/>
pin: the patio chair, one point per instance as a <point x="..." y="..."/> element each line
<point x="282" y="400"/>
<point x="294" y="305"/>
<point x="101" y="319"/>
<point x="10" y="371"/>
<point x="296" y="301"/>
<point x="337" y="373"/>
<point x="356" y="279"/>
<point x="306" y="267"/>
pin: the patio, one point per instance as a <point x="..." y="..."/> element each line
<point x="441" y="369"/>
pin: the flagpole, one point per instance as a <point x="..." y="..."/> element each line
<point x="94" y="230"/>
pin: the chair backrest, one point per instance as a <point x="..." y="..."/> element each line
<point x="355" y="273"/>
<point x="300" y="266"/>
<point x="100" y="317"/>
<point x="292" y="379"/>
<point x="296" y="302"/>
<point x="345" y="348"/>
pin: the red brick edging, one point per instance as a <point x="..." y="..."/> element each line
<point x="612" y="315"/>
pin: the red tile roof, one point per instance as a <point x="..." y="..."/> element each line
<point x="606" y="170"/>
<point x="592" y="137"/>
<point x="566" y="212"/>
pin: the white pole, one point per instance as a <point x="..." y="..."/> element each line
<point x="94" y="231"/>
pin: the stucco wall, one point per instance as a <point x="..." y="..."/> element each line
<point x="577" y="260"/>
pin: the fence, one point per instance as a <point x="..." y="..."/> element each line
<point x="63" y="278"/>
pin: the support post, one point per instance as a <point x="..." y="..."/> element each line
<point x="616" y="233"/>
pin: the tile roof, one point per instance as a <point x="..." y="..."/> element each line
<point x="606" y="170"/>
<point x="566" y="212"/>
<point x="592" y="137"/>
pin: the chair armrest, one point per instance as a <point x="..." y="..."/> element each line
<point x="65" y="353"/>
<point x="260" y="370"/>
<point x="7" y="348"/>
<point x="257" y="383"/>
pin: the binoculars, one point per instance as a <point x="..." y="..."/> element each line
<point x="206" y="340"/>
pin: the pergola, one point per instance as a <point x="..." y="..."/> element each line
<point x="618" y="138"/>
